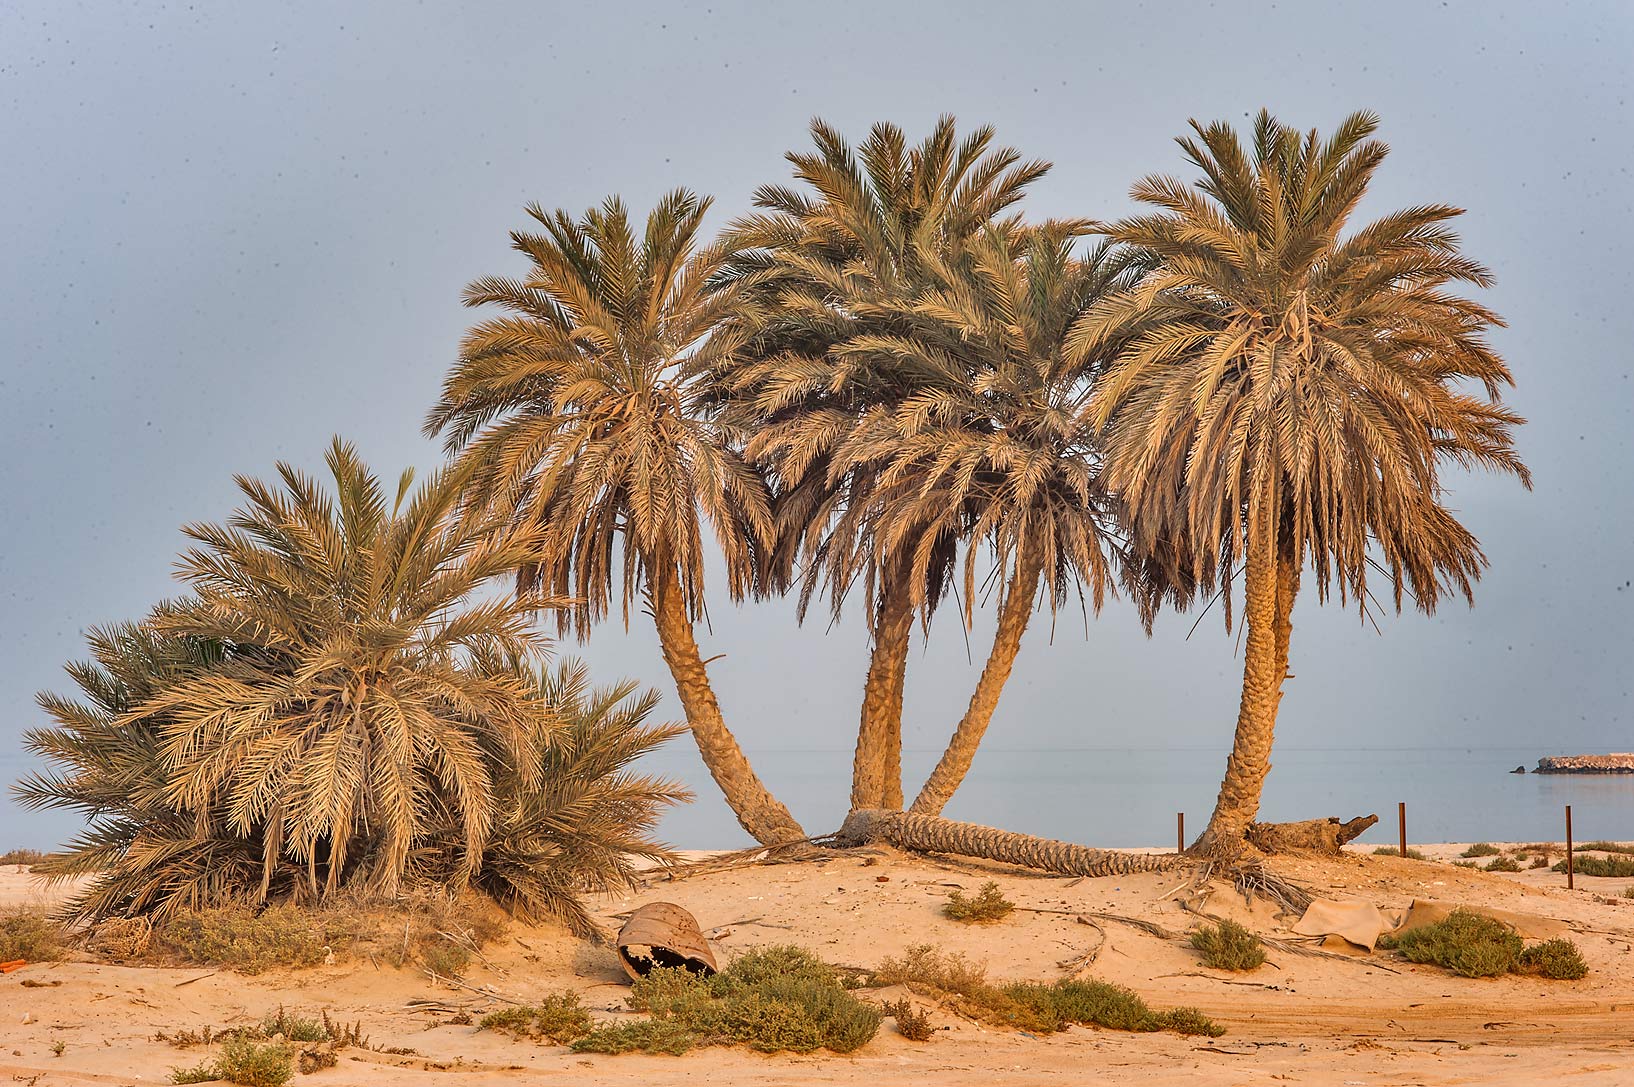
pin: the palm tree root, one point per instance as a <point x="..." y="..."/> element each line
<point x="1308" y="836"/>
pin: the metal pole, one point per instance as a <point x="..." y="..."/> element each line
<point x="1401" y="821"/>
<point x="1570" y="873"/>
<point x="1180" y="832"/>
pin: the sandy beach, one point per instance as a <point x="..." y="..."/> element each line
<point x="1370" y="1019"/>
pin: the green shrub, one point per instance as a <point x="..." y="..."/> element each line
<point x="1502" y="864"/>
<point x="1228" y="946"/>
<point x="1481" y="849"/>
<point x="1601" y="847"/>
<point x="244" y="1061"/>
<point x="1467" y="864"/>
<point x="642" y="1035"/>
<point x="1557" y="958"/>
<point x="1031" y="1005"/>
<point x="1464" y="942"/>
<point x="773" y="1000"/>
<point x="445" y="957"/>
<point x="243" y="940"/>
<point x="294" y="1028"/>
<point x="1618" y="867"/>
<point x="987" y="906"/>
<point x="558" y="1018"/>
<point x="29" y="934"/>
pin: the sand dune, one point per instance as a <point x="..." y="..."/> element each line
<point x="1314" y="1021"/>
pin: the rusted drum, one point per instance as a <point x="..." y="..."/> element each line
<point x="663" y="934"/>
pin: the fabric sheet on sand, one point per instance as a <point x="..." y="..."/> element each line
<point x="1362" y="923"/>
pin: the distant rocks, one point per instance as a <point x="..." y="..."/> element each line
<point x="1615" y="763"/>
<point x="1518" y="770"/>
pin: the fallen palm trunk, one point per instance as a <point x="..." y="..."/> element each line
<point x="933" y="834"/>
<point x="1311" y="835"/>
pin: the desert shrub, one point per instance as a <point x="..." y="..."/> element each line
<point x="513" y="777"/>
<point x="1628" y="892"/>
<point x="1599" y="847"/>
<point x="1467" y="864"/>
<point x="244" y="1061"/>
<point x="987" y="906"/>
<point x="30" y="934"/>
<point x="242" y="939"/>
<point x="21" y="856"/>
<point x="558" y="1018"/>
<point x="1030" y="1005"/>
<point x="1598" y="866"/>
<point x="445" y="957"/>
<point x="639" y="1036"/>
<point x="1481" y="849"/>
<point x="911" y="1023"/>
<point x="1502" y="864"/>
<point x="294" y="1028"/>
<point x="1228" y="946"/>
<point x="772" y="999"/>
<point x="1464" y="942"/>
<point x="1393" y="851"/>
<point x="1558" y="958"/>
<point x="1539" y="862"/>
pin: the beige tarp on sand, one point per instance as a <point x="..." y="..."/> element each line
<point x="1362" y="923"/>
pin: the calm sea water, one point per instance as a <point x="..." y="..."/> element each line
<point x="1129" y="796"/>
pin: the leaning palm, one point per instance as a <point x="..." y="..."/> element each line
<point x="1000" y="450"/>
<point x="881" y="225"/>
<point x="1290" y="394"/>
<point x="583" y="417"/>
<point x="326" y="704"/>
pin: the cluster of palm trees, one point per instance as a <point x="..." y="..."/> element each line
<point x="885" y="385"/>
<point x="886" y="378"/>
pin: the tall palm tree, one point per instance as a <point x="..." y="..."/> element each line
<point x="327" y="703"/>
<point x="998" y="448"/>
<point x="880" y="226"/>
<point x="1289" y="394"/>
<point x="584" y="415"/>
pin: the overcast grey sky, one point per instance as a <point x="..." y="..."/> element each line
<point x="231" y="231"/>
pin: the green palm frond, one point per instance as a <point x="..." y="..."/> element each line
<point x="1272" y="362"/>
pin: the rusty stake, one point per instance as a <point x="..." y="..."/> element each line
<point x="1570" y="873"/>
<point x="1401" y="821"/>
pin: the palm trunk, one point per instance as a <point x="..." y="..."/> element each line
<point x="961" y="749"/>
<point x="1272" y="582"/>
<point x="758" y="812"/>
<point x="933" y="834"/>
<point x="878" y="761"/>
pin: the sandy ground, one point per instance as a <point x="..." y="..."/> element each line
<point x="1307" y="1020"/>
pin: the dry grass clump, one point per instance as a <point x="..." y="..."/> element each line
<point x="1228" y="946"/>
<point x="21" y="856"/>
<point x="1557" y="958"/>
<point x="1618" y="867"/>
<point x="1481" y="849"/>
<point x="1598" y="847"/>
<point x="1502" y="864"/>
<point x="1482" y="947"/>
<point x="31" y="935"/>
<point x="771" y="1000"/>
<point x="911" y="1023"/>
<point x="247" y="941"/>
<point x="558" y="1018"/>
<point x="269" y="1053"/>
<point x="986" y="907"/>
<point x="1392" y="851"/>
<point x="1034" y="1006"/>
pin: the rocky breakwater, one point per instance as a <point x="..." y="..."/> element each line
<point x="1616" y="763"/>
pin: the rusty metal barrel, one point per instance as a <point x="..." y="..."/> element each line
<point x="663" y="934"/>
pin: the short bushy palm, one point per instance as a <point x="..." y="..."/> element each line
<point x="331" y="709"/>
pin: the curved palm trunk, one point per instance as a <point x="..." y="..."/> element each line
<point x="933" y="834"/>
<point x="876" y="770"/>
<point x="758" y="812"/>
<point x="1272" y="583"/>
<point x="961" y="749"/>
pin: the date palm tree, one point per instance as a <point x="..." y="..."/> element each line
<point x="831" y="267"/>
<point x="1289" y="394"/>
<point x="328" y="703"/>
<point x="997" y="449"/>
<point x="584" y="416"/>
